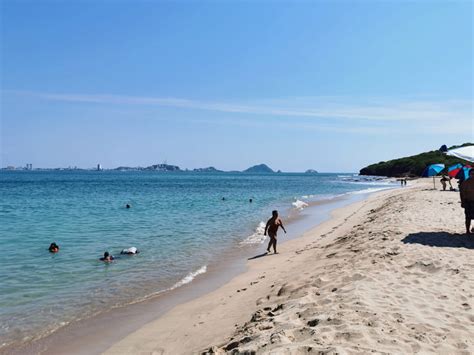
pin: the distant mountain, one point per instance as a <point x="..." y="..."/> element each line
<point x="209" y="169"/>
<point x="156" y="167"/>
<point x="128" y="168"/>
<point x="311" y="171"/>
<point x="262" y="168"/>
<point x="163" y="167"/>
<point x="413" y="165"/>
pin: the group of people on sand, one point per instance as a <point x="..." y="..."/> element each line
<point x="466" y="189"/>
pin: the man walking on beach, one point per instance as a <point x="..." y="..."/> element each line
<point x="467" y="199"/>
<point x="272" y="228"/>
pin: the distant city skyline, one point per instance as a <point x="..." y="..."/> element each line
<point x="331" y="86"/>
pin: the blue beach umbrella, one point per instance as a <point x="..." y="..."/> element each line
<point x="463" y="174"/>
<point x="433" y="170"/>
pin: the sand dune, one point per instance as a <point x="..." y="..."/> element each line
<point x="387" y="275"/>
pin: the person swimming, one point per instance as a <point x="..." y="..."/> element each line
<point x="53" y="248"/>
<point x="127" y="206"/>
<point x="130" y="251"/>
<point x="107" y="257"/>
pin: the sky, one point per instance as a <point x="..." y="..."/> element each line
<point x="325" y="85"/>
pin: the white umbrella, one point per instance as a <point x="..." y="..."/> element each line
<point x="466" y="153"/>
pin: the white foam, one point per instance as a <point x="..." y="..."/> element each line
<point x="298" y="204"/>
<point x="189" y="277"/>
<point x="369" y="190"/>
<point x="257" y="237"/>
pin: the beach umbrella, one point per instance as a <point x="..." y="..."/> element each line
<point x="466" y="153"/>
<point x="463" y="173"/>
<point x="454" y="169"/>
<point x="433" y="170"/>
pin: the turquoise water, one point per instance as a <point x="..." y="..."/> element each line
<point x="178" y="221"/>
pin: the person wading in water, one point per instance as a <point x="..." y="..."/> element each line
<point x="272" y="228"/>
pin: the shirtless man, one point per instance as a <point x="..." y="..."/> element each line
<point x="272" y="228"/>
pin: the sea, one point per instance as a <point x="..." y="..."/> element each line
<point x="181" y="222"/>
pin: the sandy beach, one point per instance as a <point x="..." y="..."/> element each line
<point x="391" y="274"/>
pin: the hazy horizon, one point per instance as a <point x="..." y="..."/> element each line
<point x="326" y="86"/>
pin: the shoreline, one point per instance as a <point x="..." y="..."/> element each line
<point x="255" y="266"/>
<point x="360" y="282"/>
<point x="153" y="307"/>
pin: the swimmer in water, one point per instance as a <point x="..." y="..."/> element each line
<point x="53" y="248"/>
<point x="127" y="206"/>
<point x="107" y="257"/>
<point x="250" y="200"/>
<point x="272" y="227"/>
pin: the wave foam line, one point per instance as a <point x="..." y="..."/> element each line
<point x="299" y="205"/>
<point x="257" y="237"/>
<point x="369" y="190"/>
<point x="189" y="277"/>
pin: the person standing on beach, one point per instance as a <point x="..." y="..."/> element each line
<point x="443" y="180"/>
<point x="272" y="228"/>
<point x="467" y="199"/>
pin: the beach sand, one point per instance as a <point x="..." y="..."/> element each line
<point x="391" y="274"/>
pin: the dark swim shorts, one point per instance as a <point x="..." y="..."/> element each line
<point x="469" y="209"/>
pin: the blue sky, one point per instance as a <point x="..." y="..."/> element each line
<point x="328" y="85"/>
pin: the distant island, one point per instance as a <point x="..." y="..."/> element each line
<point x="261" y="168"/>
<point x="156" y="167"/>
<point x="210" y="169"/>
<point x="414" y="165"/>
<point x="164" y="167"/>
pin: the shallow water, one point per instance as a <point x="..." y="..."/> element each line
<point x="178" y="221"/>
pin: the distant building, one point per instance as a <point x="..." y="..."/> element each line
<point x="99" y="167"/>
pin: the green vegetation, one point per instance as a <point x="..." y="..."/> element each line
<point x="412" y="166"/>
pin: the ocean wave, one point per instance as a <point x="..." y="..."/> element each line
<point x="298" y="204"/>
<point x="257" y="237"/>
<point x="189" y="277"/>
<point x="365" y="179"/>
<point x="369" y="190"/>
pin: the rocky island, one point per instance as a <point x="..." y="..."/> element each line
<point x="259" y="169"/>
